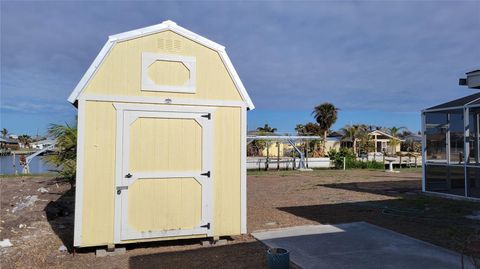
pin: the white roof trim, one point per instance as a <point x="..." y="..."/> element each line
<point x="90" y="72"/>
<point x="164" y="26"/>
<point x="236" y="79"/>
<point x="385" y="134"/>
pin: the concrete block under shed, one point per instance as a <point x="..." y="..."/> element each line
<point x="115" y="252"/>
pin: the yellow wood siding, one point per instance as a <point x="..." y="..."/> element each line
<point x="158" y="144"/>
<point x="99" y="175"/>
<point x="171" y="203"/>
<point x="168" y="73"/>
<point x="227" y="165"/>
<point x="120" y="73"/>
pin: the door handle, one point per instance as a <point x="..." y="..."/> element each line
<point x="128" y="175"/>
<point x="120" y="188"/>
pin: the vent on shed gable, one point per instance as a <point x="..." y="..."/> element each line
<point x="172" y="45"/>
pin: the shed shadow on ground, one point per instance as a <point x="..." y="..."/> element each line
<point x="239" y="255"/>
<point x="389" y="188"/>
<point x="60" y="216"/>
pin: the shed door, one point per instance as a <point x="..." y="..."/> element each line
<point x="165" y="187"/>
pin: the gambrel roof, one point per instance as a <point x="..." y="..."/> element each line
<point x="164" y="26"/>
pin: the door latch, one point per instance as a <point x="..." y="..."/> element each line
<point x="207" y="174"/>
<point x="128" y="175"/>
<point x="208" y="116"/>
<point x="120" y="188"/>
<point x="206" y="226"/>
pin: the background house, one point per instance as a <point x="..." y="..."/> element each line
<point x="42" y="144"/>
<point x="382" y="142"/>
<point x="8" y="143"/>
<point x="385" y="142"/>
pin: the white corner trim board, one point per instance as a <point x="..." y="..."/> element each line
<point x="149" y="58"/>
<point x="77" y="232"/>
<point x="243" y="173"/>
<point x="164" y="26"/>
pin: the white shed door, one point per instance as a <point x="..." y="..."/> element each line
<point x="166" y="180"/>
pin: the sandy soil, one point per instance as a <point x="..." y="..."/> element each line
<point x="275" y="199"/>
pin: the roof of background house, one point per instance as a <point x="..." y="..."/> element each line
<point x="335" y="134"/>
<point x="8" y="140"/>
<point x="45" y="141"/>
<point x="413" y="137"/>
<point x="477" y="70"/>
<point x="383" y="133"/>
<point x="459" y="102"/>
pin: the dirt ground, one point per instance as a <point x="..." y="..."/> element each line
<point x="275" y="199"/>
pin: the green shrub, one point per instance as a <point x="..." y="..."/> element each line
<point x="65" y="154"/>
<point x="351" y="161"/>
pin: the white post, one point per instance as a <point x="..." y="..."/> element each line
<point x="344" y="163"/>
<point x="466" y="146"/>
<point x="14" y="165"/>
<point x="424" y="150"/>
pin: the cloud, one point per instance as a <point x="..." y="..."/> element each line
<point x="395" y="56"/>
<point x="35" y="107"/>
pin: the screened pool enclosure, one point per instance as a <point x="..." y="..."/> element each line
<point x="451" y="147"/>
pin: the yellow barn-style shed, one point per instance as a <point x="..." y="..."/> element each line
<point x="161" y="140"/>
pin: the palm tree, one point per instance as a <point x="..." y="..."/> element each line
<point x="4" y="132"/>
<point x="308" y="129"/>
<point x="311" y="129"/>
<point x="365" y="142"/>
<point x="65" y="155"/>
<point x="394" y="131"/>
<point x="25" y="140"/>
<point x="326" y="115"/>
<point x="354" y="132"/>
<point x="266" y="129"/>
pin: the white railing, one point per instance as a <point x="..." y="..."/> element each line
<point x="286" y="163"/>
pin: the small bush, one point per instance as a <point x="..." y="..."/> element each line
<point x="65" y="154"/>
<point x="351" y="161"/>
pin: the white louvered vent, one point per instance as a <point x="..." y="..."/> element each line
<point x="160" y="43"/>
<point x="172" y="45"/>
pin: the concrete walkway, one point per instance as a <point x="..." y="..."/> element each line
<point x="358" y="245"/>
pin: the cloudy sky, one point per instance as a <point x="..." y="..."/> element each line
<point x="379" y="62"/>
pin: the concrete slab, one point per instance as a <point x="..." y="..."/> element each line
<point x="358" y="245"/>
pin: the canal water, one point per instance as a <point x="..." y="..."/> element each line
<point x="37" y="165"/>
